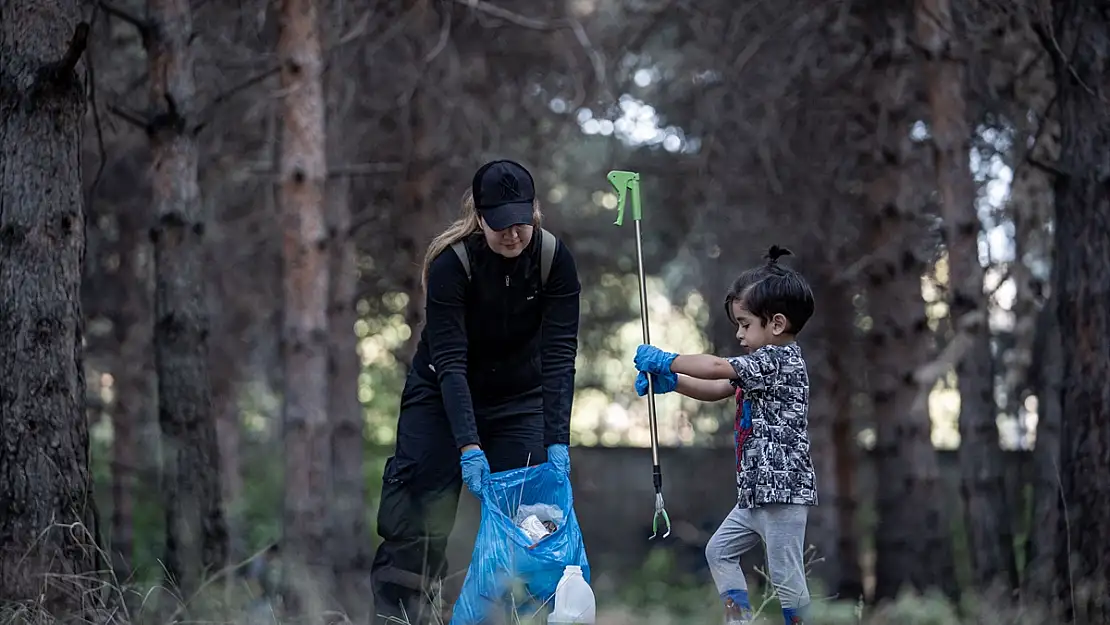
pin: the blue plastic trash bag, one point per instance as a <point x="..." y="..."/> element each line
<point x="505" y="561"/>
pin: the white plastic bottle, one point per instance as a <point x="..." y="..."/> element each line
<point x="574" y="599"/>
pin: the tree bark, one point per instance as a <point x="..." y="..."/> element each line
<point x="225" y="410"/>
<point x="986" y="512"/>
<point x="350" y="542"/>
<point x="912" y="535"/>
<point x="48" y="532"/>
<point x="1082" y="287"/>
<point x="416" y="230"/>
<point x="421" y="221"/>
<point x="823" y="527"/>
<point x="1041" y="586"/>
<point x="912" y="538"/>
<point x="846" y="450"/>
<point x="134" y="404"/>
<point x="303" y="171"/>
<point x="196" y="531"/>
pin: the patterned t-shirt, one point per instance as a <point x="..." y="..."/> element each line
<point x="774" y="465"/>
<point x="742" y="426"/>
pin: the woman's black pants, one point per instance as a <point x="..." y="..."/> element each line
<point x="421" y="486"/>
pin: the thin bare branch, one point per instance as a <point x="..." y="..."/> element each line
<point x="352" y="169"/>
<point x="224" y="96"/>
<point x="364" y="169"/>
<point x="62" y="70"/>
<point x="134" y="118"/>
<point x="507" y="15"/>
<point x="597" y="59"/>
<point x="1046" y="167"/>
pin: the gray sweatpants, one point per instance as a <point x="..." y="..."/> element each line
<point x="782" y="529"/>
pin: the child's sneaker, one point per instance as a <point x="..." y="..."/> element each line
<point x="792" y="617"/>
<point x="735" y="614"/>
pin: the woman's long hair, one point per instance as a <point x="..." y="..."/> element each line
<point x="466" y="225"/>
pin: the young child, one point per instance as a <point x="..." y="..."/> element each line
<point x="775" y="480"/>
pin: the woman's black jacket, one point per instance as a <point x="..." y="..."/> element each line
<point x="498" y="334"/>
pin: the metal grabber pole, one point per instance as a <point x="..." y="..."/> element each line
<point x="627" y="184"/>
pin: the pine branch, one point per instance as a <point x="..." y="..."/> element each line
<point x="61" y="72"/>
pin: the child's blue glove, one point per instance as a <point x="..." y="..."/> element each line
<point x="559" y="456"/>
<point x="475" y="470"/>
<point x="664" y="383"/>
<point x="653" y="360"/>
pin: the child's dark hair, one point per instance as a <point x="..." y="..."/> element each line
<point x="772" y="289"/>
<point x="741" y="284"/>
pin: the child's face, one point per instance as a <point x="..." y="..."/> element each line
<point x="752" y="332"/>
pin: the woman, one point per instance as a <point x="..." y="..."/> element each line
<point x="491" y="385"/>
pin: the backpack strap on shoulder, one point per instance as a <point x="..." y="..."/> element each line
<point x="547" y="254"/>
<point x="460" y="251"/>
<point x="548" y="244"/>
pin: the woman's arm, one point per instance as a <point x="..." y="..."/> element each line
<point x="446" y="327"/>
<point x="704" y="390"/>
<point x="559" y="344"/>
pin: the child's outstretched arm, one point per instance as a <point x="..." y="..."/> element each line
<point x="651" y="359"/>
<point x="704" y="390"/>
<point x="750" y="370"/>
<point x="704" y="367"/>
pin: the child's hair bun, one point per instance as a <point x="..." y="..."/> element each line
<point x="775" y="252"/>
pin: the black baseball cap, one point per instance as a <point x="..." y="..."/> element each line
<point x="503" y="194"/>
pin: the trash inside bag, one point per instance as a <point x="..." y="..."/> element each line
<point x="538" y="521"/>
<point x="534" y="529"/>
<point x="542" y="511"/>
<point x="528" y="534"/>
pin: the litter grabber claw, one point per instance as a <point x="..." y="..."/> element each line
<point x="660" y="511"/>
<point x="627" y="184"/>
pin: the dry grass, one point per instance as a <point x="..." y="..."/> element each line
<point x="909" y="609"/>
<point x="105" y="600"/>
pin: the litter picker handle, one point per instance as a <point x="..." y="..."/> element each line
<point x="627" y="184"/>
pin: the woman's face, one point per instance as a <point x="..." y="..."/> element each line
<point x="509" y="242"/>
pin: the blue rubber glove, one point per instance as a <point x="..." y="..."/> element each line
<point x="664" y="383"/>
<point x="475" y="470"/>
<point x="559" y="455"/>
<point x="653" y="360"/>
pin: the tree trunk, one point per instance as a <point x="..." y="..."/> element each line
<point x="911" y="538"/>
<point x="1041" y="584"/>
<point x="846" y="449"/>
<point x="225" y="411"/>
<point x="303" y="171"/>
<point x="912" y="541"/>
<point x="416" y="230"/>
<point x="48" y="532"/>
<point x="823" y="528"/>
<point x="1036" y="367"/>
<point x="196" y="531"/>
<point x="1082" y="289"/>
<point x="134" y="402"/>
<point x="422" y="182"/>
<point x="986" y="512"/>
<point x="350" y="542"/>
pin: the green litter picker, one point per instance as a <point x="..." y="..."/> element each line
<point x="627" y="184"/>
